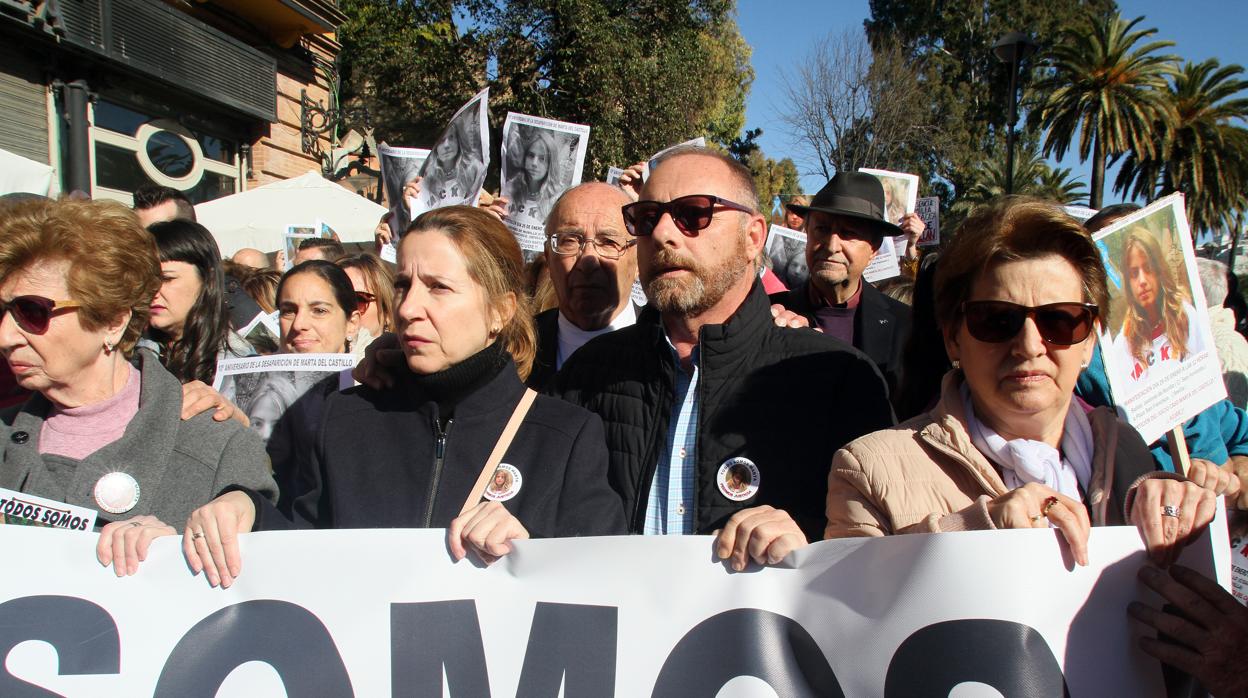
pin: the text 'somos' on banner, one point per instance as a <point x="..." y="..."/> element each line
<point x="386" y="612"/>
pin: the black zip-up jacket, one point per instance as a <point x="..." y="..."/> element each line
<point x="785" y="399"/>
<point x="381" y="459"/>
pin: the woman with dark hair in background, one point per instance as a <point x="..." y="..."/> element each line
<point x="189" y="325"/>
<point x="318" y="309"/>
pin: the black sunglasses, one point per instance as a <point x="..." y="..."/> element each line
<point x="34" y="313"/>
<point x="690" y="213"/>
<point x="1062" y="324"/>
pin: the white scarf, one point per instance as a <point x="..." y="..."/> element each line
<point x="1024" y="460"/>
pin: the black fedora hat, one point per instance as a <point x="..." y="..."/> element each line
<point x="853" y="195"/>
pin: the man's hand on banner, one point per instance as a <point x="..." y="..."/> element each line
<point x="381" y="363"/>
<point x="487" y="530"/>
<point x="763" y="534"/>
<point x="1170" y="513"/>
<point x="1036" y="506"/>
<point x="198" y="396"/>
<point x="913" y="226"/>
<point x="1205" y="633"/>
<point x="210" y="541"/>
<point x="123" y="544"/>
<point x="1219" y="480"/>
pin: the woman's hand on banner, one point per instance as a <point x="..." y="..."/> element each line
<point x="486" y="530"/>
<point x="1170" y="513"/>
<point x="210" y="540"/>
<point x="198" y="397"/>
<point x="1037" y="506"/>
<point x="123" y="544"/>
<point x="496" y="207"/>
<point x="763" y="534"/>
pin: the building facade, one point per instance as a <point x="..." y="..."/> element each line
<point x="207" y="96"/>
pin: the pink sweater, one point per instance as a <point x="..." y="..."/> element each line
<point x="77" y="432"/>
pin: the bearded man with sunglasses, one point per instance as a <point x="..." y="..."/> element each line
<point x="705" y="386"/>
<point x="845" y="227"/>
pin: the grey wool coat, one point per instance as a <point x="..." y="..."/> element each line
<point x="180" y="465"/>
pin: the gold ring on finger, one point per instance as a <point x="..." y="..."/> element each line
<point x="1038" y="518"/>
<point x="1049" y="503"/>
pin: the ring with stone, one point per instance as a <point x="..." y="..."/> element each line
<point x="1049" y="503"/>
<point x="136" y="523"/>
<point x="1170" y="510"/>
<point x="197" y="535"/>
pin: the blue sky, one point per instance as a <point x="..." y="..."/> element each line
<point x="783" y="32"/>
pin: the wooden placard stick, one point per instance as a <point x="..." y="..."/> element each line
<point x="1178" y="450"/>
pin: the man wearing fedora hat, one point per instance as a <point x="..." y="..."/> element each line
<point x="844" y="228"/>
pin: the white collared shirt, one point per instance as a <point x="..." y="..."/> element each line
<point x="572" y="337"/>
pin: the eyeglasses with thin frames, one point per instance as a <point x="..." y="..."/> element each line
<point x="573" y="245"/>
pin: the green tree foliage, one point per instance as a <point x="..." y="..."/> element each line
<point x="1203" y="151"/>
<point x="949" y="42"/>
<point x="1032" y="177"/>
<point x="643" y="73"/>
<point x="773" y="178"/>
<point x="1106" y="83"/>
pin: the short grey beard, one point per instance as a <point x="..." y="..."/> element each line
<point x="697" y="296"/>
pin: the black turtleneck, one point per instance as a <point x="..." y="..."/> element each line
<point x="451" y="385"/>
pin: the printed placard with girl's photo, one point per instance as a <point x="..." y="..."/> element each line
<point x="263" y="387"/>
<point x="542" y="158"/>
<point x="901" y="196"/>
<point x="786" y="248"/>
<point x="1155" y="335"/>
<point x="400" y="174"/>
<point x="455" y="169"/>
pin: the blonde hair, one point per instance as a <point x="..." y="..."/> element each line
<point x="1170" y="298"/>
<point x="113" y="263"/>
<point x="494" y="261"/>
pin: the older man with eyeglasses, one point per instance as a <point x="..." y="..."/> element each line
<point x="592" y="267"/>
<point x="716" y="418"/>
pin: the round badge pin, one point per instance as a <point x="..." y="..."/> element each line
<point x="504" y="484"/>
<point x="738" y="479"/>
<point x="117" y="493"/>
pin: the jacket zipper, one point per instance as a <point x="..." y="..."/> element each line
<point x="439" y="454"/>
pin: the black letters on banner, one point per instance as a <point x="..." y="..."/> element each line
<point x="83" y="634"/>
<point x="288" y="637"/>
<point x="1011" y="657"/>
<point x="573" y="644"/>
<point x="747" y="642"/>
<point x="425" y="637"/>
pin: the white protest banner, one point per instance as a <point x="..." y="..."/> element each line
<point x="1156" y="339"/>
<point x="21" y="509"/>
<point x="542" y="158"/>
<point x="385" y="612"/>
<point x="928" y="208"/>
<point x="455" y="169"/>
<point x="786" y="248"/>
<point x="263" y="387"/>
<point x="399" y="168"/>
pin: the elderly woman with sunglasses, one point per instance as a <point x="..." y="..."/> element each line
<point x="102" y="429"/>
<point x="1018" y="294"/>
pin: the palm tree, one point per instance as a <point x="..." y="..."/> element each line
<point x="1032" y="177"/>
<point x="1203" y="152"/>
<point x="1105" y="85"/>
<point x="1056" y="184"/>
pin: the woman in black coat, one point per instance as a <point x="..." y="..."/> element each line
<point x="418" y="453"/>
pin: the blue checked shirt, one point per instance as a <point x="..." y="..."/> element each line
<point x="670" y="507"/>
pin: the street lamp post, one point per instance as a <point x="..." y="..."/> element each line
<point x="1012" y="49"/>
